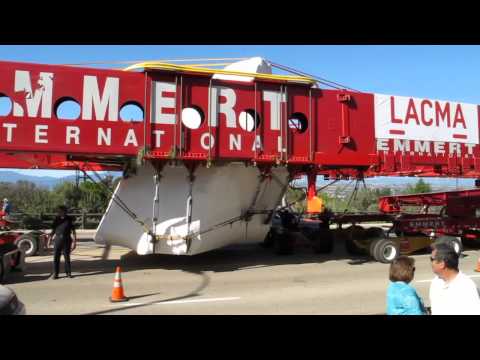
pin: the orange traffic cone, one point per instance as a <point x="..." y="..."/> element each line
<point x="117" y="292"/>
<point x="477" y="269"/>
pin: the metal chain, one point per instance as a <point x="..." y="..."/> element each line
<point x="352" y="196"/>
<point x="155" y="208"/>
<point x="117" y="200"/>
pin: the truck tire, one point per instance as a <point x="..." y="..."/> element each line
<point x="372" y="247"/>
<point x="340" y="234"/>
<point x="2" y="270"/>
<point x="386" y="250"/>
<point x="28" y="244"/>
<point x="19" y="262"/>
<point x="374" y="232"/>
<point x="475" y="243"/>
<point x="453" y="241"/>
<point x="357" y="233"/>
<point x="284" y="244"/>
<point x="309" y="233"/>
<point x="268" y="242"/>
<point x="458" y="246"/>
<point x="322" y="241"/>
<point x="352" y="248"/>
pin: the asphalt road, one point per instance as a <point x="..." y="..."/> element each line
<point x="243" y="279"/>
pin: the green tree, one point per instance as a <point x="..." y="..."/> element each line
<point x="67" y="194"/>
<point x="297" y="196"/>
<point x="29" y="199"/>
<point x="420" y="187"/>
<point x="25" y="196"/>
<point x="366" y="199"/>
<point x="95" y="196"/>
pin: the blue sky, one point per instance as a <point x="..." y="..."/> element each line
<point x="435" y="72"/>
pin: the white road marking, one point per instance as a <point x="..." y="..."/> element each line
<point x="423" y="281"/>
<point x="196" y="300"/>
<point x="177" y="301"/>
<point x="127" y="304"/>
<point x="430" y="280"/>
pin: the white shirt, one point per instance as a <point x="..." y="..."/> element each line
<point x="457" y="297"/>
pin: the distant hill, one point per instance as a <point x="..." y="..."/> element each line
<point x="384" y="181"/>
<point x="42" y="181"/>
<point x="390" y="181"/>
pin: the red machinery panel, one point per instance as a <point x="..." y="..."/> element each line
<point x="36" y="91"/>
<point x="192" y="116"/>
<point x="345" y="133"/>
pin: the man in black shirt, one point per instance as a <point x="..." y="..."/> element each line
<point x="62" y="228"/>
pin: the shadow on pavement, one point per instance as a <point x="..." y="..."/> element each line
<point x="240" y="257"/>
<point x="196" y="292"/>
<point x="144" y="295"/>
<point x="232" y="258"/>
<point x="360" y="261"/>
<point x="39" y="271"/>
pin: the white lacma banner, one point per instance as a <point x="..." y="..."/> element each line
<point x="399" y="117"/>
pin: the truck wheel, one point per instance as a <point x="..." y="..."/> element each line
<point x="28" y="244"/>
<point x="268" y="242"/>
<point x="352" y="248"/>
<point x="19" y="262"/>
<point x="457" y="245"/>
<point x="453" y="241"/>
<point x="372" y="247"/>
<point x="2" y="270"/>
<point x="374" y="232"/>
<point x="386" y="250"/>
<point x="340" y="234"/>
<point x="475" y="242"/>
<point x="284" y="244"/>
<point x="357" y="233"/>
<point x="309" y="233"/>
<point x="322" y="241"/>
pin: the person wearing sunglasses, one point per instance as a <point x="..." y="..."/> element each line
<point x="451" y="291"/>
<point x="402" y="298"/>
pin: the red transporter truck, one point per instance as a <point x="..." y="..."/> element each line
<point x="216" y="149"/>
<point x="31" y="242"/>
<point x="12" y="254"/>
<point x="457" y="218"/>
<point x="416" y="221"/>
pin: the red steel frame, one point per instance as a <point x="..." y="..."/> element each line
<point x="459" y="217"/>
<point x="462" y="202"/>
<point x="338" y="141"/>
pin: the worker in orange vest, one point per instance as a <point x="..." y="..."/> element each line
<point x="315" y="205"/>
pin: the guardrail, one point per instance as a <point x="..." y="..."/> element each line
<point x="83" y="220"/>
